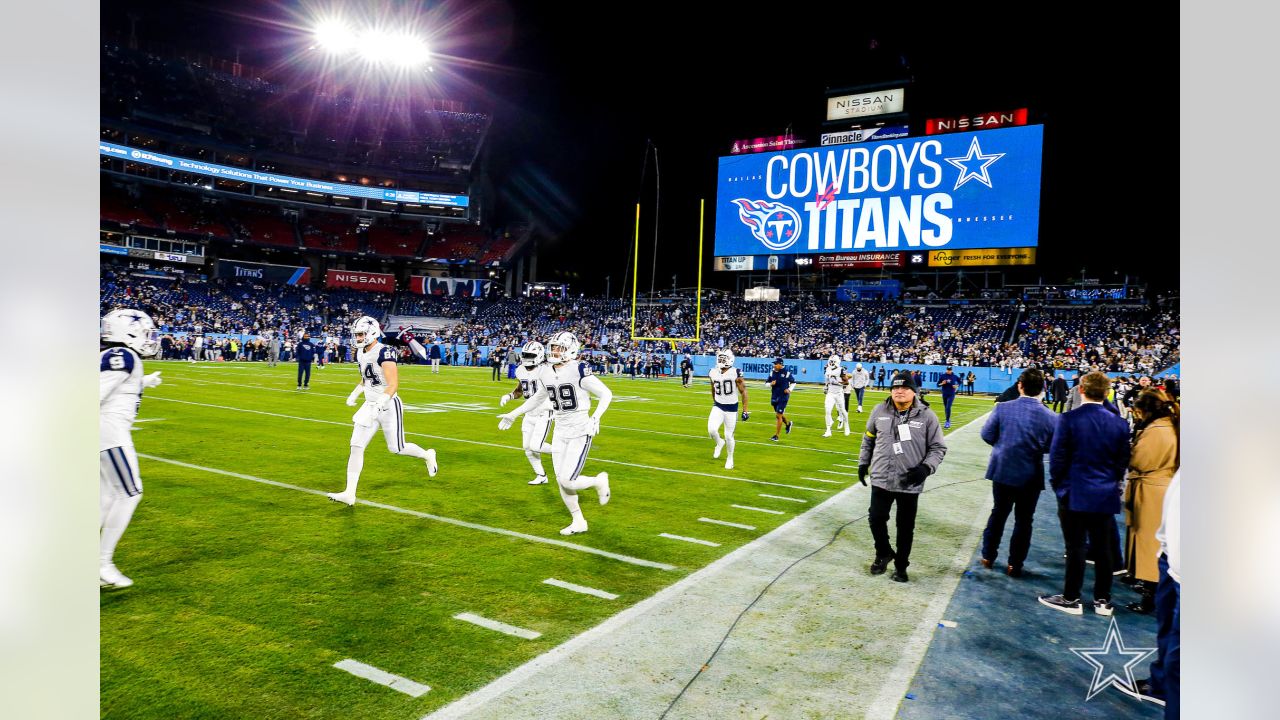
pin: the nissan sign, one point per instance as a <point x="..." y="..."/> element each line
<point x="981" y="121"/>
<point x="861" y="105"/>
<point x="377" y="282"/>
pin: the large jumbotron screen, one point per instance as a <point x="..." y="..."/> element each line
<point x="967" y="190"/>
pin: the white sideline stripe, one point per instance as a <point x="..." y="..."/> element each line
<point x="382" y="677"/>
<point x="426" y="516"/>
<point x="610" y="427"/>
<point x="488" y="444"/>
<point x="708" y="543"/>
<point x="501" y="627"/>
<point x="833" y="482"/>
<point x="763" y="510"/>
<point x="580" y="589"/>
<point x="837" y="472"/>
<point x="779" y="497"/>
<point x="729" y="524"/>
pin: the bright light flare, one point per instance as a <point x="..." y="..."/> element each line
<point x="375" y="46"/>
<point x="335" y="37"/>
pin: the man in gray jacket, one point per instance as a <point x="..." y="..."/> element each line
<point x="903" y="445"/>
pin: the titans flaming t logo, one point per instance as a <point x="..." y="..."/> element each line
<point x="775" y="225"/>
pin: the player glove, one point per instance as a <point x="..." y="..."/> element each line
<point x="862" y="473"/>
<point x="505" y="421"/>
<point x="917" y="474"/>
<point x="593" y="426"/>
<point x="351" y="399"/>
<point x="151" y="380"/>
<point x="745" y="416"/>
<point x="382" y="400"/>
<point x="502" y="401"/>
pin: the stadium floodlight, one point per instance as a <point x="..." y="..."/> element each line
<point x="335" y="37"/>
<point x="379" y="47"/>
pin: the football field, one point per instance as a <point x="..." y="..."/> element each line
<point x="256" y="597"/>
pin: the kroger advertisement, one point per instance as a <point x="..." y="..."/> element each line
<point x="958" y="191"/>
<point x="199" y="167"/>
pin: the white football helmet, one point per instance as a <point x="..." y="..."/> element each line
<point x="532" y="354"/>
<point x="724" y="359"/>
<point x="564" y="347"/>
<point x="833" y="362"/>
<point x="132" y="328"/>
<point x="365" y="331"/>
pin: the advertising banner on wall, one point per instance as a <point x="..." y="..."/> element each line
<point x="862" y="105"/>
<point x="980" y="121"/>
<point x="884" y="132"/>
<point x="765" y="144"/>
<point x="989" y="256"/>
<point x="953" y="191"/>
<point x="839" y="261"/>
<point x="735" y="262"/>
<point x="265" y="272"/>
<point x="452" y="287"/>
<point x="360" y="280"/>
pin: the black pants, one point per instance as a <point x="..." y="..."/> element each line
<point x="1076" y="526"/>
<point x="846" y="403"/>
<point x="496" y="368"/>
<point x="1022" y="502"/>
<point x="1059" y="403"/>
<point x="304" y="368"/>
<point x="686" y="377"/>
<point x="1166" y="671"/>
<point x="878" y="517"/>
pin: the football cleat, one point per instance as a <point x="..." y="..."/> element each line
<point x="846" y="431"/>
<point x="110" y="577"/>
<point x="539" y="480"/>
<point x="342" y="497"/>
<point x="827" y="433"/>
<point x="729" y="464"/>
<point x="789" y="424"/>
<point x="577" y="526"/>
<point x="719" y="447"/>
<point x="432" y="466"/>
<point x="602" y="488"/>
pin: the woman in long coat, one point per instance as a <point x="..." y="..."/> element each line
<point x="1151" y="466"/>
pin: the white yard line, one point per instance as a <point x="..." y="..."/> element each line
<point x="727" y="524"/>
<point x="580" y="589"/>
<point x="426" y="516"/>
<point x="779" y="497"/>
<point x="763" y="510"/>
<point x="833" y="482"/>
<point x="837" y="472"/>
<point x="382" y="677"/>
<point x="501" y="627"/>
<point x="487" y="444"/>
<point x="855" y="467"/>
<point x="708" y="543"/>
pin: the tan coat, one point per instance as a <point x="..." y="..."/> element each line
<point x="1151" y="467"/>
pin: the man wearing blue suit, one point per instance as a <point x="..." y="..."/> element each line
<point x="1087" y="462"/>
<point x="1020" y="432"/>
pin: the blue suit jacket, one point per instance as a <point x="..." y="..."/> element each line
<point x="1020" y="432"/>
<point x="1088" y="458"/>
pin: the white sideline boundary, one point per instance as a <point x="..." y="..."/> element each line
<point x="488" y="444"/>
<point x="382" y="677"/>
<point x="425" y="516"/>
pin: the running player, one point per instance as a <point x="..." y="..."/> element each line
<point x="726" y="387"/>
<point x="534" y="426"/>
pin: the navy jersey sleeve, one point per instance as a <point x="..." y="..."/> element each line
<point x="387" y="354"/>
<point x="583" y="370"/>
<point x="117" y="359"/>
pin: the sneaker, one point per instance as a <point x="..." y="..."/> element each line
<point x="578" y="526"/>
<point x="719" y="447"/>
<point x="299" y="387"/>
<point x="826" y="434"/>
<point x="774" y="438"/>
<point x="859" y="408"/>
<point x="1057" y="602"/>
<point x="1145" y="606"/>
<point x="1012" y="571"/>
<point x="540" y="480"/>
<point x="729" y="464"/>
<point x="602" y="489"/>
<point x="789" y="424"/>
<point x="1141" y="690"/>
<point x="987" y="563"/>
<point x="839" y="424"/>
<point x="846" y="431"/>
<point x="432" y="466"/>
<point x="1103" y="607"/>
<point x="899" y="576"/>
<point x="342" y="497"/>
<point x="946" y="425"/>
<point x="879" y="564"/>
<point x="110" y="577"/>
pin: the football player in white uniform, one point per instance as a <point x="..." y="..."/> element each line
<point x="569" y="386"/>
<point x="379" y="381"/>
<point x="726" y="387"/>
<point x="835" y="382"/>
<point x="126" y="336"/>
<point x="535" y="425"/>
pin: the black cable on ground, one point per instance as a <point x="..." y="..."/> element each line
<point x="752" y="604"/>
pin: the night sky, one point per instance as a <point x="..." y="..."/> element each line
<point x="578" y="90"/>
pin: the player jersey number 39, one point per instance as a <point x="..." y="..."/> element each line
<point x="564" y="398"/>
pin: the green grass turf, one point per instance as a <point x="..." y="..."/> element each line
<point x="246" y="594"/>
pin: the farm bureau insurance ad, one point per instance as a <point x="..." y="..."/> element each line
<point x="958" y="191"/>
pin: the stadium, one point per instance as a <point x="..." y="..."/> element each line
<point x="785" y="384"/>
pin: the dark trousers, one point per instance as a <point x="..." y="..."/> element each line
<point x="846" y="403"/>
<point x="860" y="391"/>
<point x="304" y="369"/>
<point x="1076" y="527"/>
<point x="495" y="372"/>
<point x="878" y="517"/>
<point x="1166" y="671"/>
<point x="1021" y="500"/>
<point x="1059" y="404"/>
<point x="947" y="399"/>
